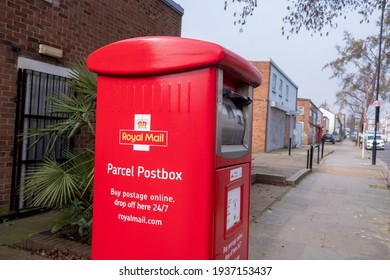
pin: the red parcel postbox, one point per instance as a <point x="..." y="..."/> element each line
<point x="173" y="150"/>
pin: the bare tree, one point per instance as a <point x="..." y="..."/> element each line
<point x="248" y="6"/>
<point x="356" y="69"/>
<point x="315" y="16"/>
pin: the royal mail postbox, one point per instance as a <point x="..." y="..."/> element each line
<point x="173" y="150"/>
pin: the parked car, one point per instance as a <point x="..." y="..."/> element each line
<point x="336" y="138"/>
<point x="328" y="138"/>
<point x="380" y="144"/>
<point x="354" y="138"/>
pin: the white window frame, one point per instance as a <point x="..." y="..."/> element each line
<point x="274" y="78"/>
<point x="287" y="92"/>
<point x="280" y="87"/>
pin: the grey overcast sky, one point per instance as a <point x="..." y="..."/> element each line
<point x="301" y="57"/>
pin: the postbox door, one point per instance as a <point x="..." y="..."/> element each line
<point x="232" y="212"/>
<point x="154" y="167"/>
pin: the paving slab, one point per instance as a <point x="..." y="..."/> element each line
<point x="335" y="213"/>
<point x="339" y="210"/>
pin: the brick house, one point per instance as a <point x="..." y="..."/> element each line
<point x="311" y="119"/>
<point x="274" y="109"/>
<point x="40" y="39"/>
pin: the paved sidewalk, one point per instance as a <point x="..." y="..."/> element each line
<point x="13" y="232"/>
<point x="340" y="212"/>
<point x="280" y="162"/>
<point x="274" y="174"/>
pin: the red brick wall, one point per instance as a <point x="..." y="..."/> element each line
<point x="306" y="133"/>
<point x="260" y="107"/>
<point x="78" y="28"/>
<point x="311" y="133"/>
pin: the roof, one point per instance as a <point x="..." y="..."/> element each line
<point x="174" y="6"/>
<point x="273" y="63"/>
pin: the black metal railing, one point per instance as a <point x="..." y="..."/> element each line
<point x="310" y="155"/>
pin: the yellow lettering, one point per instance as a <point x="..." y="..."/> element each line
<point x="155" y="138"/>
<point x="132" y="137"/>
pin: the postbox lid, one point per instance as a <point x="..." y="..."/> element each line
<point x="158" y="55"/>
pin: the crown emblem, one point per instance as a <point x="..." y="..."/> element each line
<point x="142" y="123"/>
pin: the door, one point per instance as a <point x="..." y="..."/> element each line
<point x="33" y="111"/>
<point x="298" y="137"/>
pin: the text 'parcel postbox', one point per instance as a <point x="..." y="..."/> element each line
<point x="173" y="150"/>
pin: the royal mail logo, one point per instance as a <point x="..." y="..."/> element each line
<point x="142" y="123"/>
<point x="151" y="138"/>
<point x="142" y="137"/>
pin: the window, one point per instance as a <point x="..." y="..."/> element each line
<point x="280" y="87"/>
<point x="36" y="112"/>
<point x="287" y="92"/>
<point x="274" y="83"/>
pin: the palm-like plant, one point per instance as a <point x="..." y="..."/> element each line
<point x="67" y="186"/>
